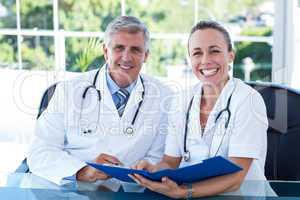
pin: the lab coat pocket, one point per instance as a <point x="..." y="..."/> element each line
<point x="81" y="134"/>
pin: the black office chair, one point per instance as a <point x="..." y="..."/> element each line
<point x="283" y="110"/>
<point x="46" y="97"/>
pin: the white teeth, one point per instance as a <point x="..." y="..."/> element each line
<point x="209" y="72"/>
<point x="125" y="67"/>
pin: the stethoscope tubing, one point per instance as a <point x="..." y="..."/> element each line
<point x="128" y="130"/>
<point x="226" y="109"/>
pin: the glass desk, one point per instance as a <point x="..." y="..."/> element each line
<point x="28" y="186"/>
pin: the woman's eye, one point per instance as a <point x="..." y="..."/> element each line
<point x="196" y="53"/>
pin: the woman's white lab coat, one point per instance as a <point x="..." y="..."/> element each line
<point x="246" y="135"/>
<point x="59" y="148"/>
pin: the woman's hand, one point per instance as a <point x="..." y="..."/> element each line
<point x="166" y="186"/>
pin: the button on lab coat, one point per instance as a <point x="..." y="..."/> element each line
<point x="59" y="148"/>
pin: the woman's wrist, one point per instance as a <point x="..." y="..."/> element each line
<point x="186" y="191"/>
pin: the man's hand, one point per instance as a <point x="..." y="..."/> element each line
<point x="91" y="174"/>
<point x="107" y="159"/>
<point x="145" y="165"/>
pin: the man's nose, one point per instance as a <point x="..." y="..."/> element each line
<point x="126" y="55"/>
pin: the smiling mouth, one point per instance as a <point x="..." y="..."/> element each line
<point x="125" y="66"/>
<point x="209" y="72"/>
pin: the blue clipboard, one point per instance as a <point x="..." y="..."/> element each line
<point x="211" y="167"/>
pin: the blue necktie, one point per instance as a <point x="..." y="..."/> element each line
<point x="123" y="96"/>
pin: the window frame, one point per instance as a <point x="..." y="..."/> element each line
<point x="278" y="40"/>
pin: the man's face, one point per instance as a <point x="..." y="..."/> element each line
<point x="125" y="56"/>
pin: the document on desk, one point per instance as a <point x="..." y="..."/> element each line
<point x="208" y="168"/>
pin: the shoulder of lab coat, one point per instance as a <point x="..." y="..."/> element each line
<point x="177" y="120"/>
<point x="249" y="126"/>
<point x="46" y="157"/>
<point x="156" y="89"/>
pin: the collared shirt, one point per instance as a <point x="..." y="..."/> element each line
<point x="114" y="88"/>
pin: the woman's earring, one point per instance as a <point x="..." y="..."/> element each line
<point x="229" y="67"/>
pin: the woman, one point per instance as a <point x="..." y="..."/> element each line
<point x="222" y="116"/>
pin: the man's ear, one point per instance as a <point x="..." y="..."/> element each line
<point x="105" y="49"/>
<point x="146" y="55"/>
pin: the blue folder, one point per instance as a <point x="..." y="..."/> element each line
<point x="208" y="168"/>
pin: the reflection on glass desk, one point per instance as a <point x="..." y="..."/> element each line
<point x="28" y="186"/>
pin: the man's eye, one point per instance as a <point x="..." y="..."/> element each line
<point x="215" y="51"/>
<point x="118" y="48"/>
<point x="136" y="50"/>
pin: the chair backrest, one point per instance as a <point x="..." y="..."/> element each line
<point x="46" y="97"/>
<point x="283" y="110"/>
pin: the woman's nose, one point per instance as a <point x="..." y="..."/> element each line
<point x="204" y="58"/>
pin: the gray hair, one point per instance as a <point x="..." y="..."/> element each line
<point x="209" y="24"/>
<point x="129" y="24"/>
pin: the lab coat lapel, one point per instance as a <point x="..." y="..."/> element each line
<point x="195" y="128"/>
<point x="134" y="99"/>
<point x="107" y="103"/>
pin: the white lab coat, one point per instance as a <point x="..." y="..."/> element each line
<point x="246" y="135"/>
<point x="59" y="149"/>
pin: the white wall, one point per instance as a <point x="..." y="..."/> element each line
<point x="21" y="92"/>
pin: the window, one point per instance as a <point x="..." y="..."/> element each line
<point x="91" y="15"/>
<point x="51" y="35"/>
<point x="37" y="52"/>
<point x="8" y="14"/>
<point x="36" y="15"/>
<point x="8" y="56"/>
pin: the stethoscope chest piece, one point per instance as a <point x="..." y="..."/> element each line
<point x="187" y="156"/>
<point x="86" y="131"/>
<point x="128" y="130"/>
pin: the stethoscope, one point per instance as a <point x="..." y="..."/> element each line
<point x="186" y="153"/>
<point x="129" y="130"/>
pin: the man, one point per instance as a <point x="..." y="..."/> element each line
<point x="112" y="115"/>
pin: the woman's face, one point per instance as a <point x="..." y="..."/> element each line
<point x="209" y="56"/>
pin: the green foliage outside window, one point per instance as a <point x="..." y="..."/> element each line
<point x="163" y="54"/>
<point x="259" y="52"/>
<point x="38" y="53"/>
<point x="161" y="16"/>
<point x="91" y="57"/>
<point x="36" y="14"/>
<point x="8" y="18"/>
<point x="8" y="55"/>
<point x="89" y="15"/>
